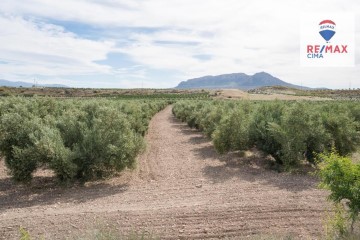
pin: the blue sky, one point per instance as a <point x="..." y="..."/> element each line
<point x="158" y="43"/>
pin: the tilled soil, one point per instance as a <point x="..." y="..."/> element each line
<point x="181" y="189"/>
<point x="286" y="95"/>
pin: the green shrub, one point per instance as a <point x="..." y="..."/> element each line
<point x="288" y="131"/>
<point x="299" y="134"/>
<point x="259" y="129"/>
<point x="16" y="144"/>
<point x="108" y="144"/>
<point x="25" y="235"/>
<point x="233" y="132"/>
<point x="210" y="118"/>
<point x="342" y="129"/>
<point x="50" y="151"/>
<point x="77" y="139"/>
<point x="339" y="175"/>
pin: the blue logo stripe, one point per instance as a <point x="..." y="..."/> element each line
<point x="327" y="34"/>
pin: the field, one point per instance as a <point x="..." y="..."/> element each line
<point x="288" y="131"/>
<point x="269" y="94"/>
<point x="102" y="93"/>
<point x="184" y="167"/>
<point x="337" y="94"/>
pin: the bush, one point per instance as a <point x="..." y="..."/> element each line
<point x="233" y="132"/>
<point x="76" y="139"/>
<point x="298" y="134"/>
<point x="210" y="118"/>
<point x="343" y="130"/>
<point x="108" y="143"/>
<point x="342" y="177"/>
<point x="288" y="131"/>
<point x="259" y="129"/>
<point x="16" y="144"/>
<point x="51" y="152"/>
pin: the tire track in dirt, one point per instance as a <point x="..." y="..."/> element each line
<point x="182" y="189"/>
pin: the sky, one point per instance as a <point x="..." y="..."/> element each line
<point x="158" y="43"/>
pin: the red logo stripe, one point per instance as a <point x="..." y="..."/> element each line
<point x="327" y="21"/>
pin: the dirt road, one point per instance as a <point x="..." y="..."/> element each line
<point x="181" y="189"/>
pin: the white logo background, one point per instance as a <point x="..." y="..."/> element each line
<point x="345" y="35"/>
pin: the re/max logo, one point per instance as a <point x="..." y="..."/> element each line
<point x="317" y="51"/>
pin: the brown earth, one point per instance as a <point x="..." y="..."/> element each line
<point x="182" y="189"/>
<point x="239" y="94"/>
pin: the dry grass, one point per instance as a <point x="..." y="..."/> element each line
<point x="239" y="94"/>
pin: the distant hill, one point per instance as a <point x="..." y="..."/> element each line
<point x="6" y="83"/>
<point x="236" y="80"/>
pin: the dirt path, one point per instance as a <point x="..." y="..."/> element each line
<point x="182" y="189"/>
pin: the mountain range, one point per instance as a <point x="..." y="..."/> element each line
<point x="236" y="80"/>
<point x="6" y="83"/>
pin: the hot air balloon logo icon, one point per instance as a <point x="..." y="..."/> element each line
<point x="327" y="29"/>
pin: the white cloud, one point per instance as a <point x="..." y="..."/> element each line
<point x="240" y="36"/>
<point x="43" y="49"/>
<point x="200" y="14"/>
